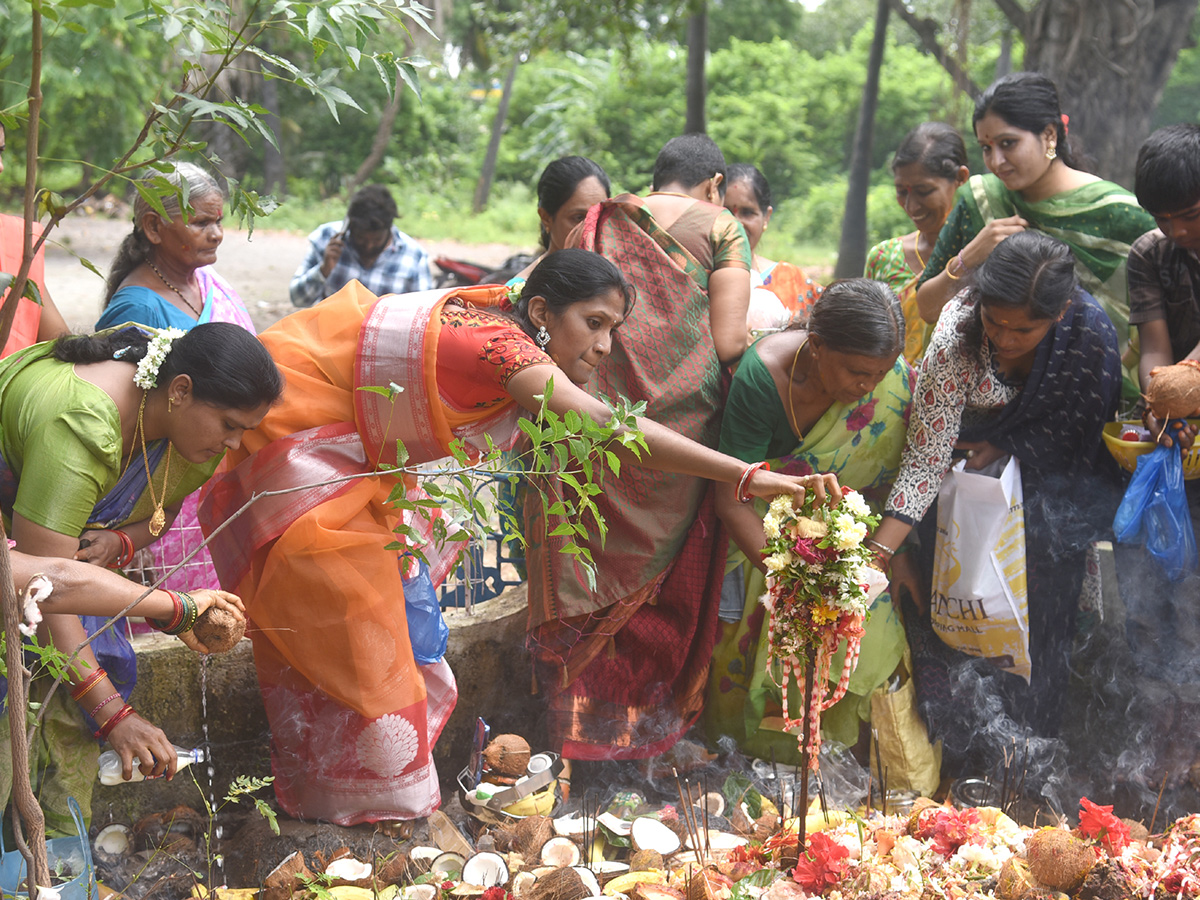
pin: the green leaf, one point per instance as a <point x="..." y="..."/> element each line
<point x="751" y="887"/>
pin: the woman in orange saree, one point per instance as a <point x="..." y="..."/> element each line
<point x="354" y="711"/>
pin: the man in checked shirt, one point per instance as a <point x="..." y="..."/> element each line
<point x="364" y="246"/>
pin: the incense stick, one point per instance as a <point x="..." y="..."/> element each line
<point x="1158" y="801"/>
<point x="707" y="845"/>
<point x="683" y="811"/>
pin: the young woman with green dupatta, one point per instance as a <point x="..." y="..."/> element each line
<point x="831" y="395"/>
<point x="1035" y="183"/>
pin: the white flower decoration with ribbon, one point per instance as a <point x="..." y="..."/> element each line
<point x="146" y="376"/>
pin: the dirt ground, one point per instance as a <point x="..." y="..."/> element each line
<point x="259" y="267"/>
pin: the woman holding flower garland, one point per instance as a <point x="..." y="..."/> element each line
<point x="101" y="437"/>
<point x="831" y="395"/>
<point x="352" y="741"/>
<point x="1022" y="363"/>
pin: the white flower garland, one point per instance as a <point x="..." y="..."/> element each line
<point x="146" y="376"/>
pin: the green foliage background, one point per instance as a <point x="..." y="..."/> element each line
<point x="784" y="84"/>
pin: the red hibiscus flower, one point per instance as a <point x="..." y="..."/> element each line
<point x="823" y="865"/>
<point x="1098" y="823"/>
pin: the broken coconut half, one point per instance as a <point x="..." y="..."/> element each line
<point x="349" y="869"/>
<point x="651" y="834"/>
<point x="447" y="865"/>
<point x="560" y="852"/>
<point x="486" y="870"/>
<point x="420" y="892"/>
<point x="113" y="840"/>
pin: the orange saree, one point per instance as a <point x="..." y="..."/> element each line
<point x="353" y="716"/>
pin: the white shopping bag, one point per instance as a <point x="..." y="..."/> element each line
<point x="980" y="601"/>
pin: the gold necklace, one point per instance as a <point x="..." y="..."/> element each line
<point x="158" y="519"/>
<point x="917" y="250"/>
<point x="163" y="279"/>
<point x="791" y="395"/>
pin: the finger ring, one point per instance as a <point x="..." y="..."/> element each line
<point x="970" y="453"/>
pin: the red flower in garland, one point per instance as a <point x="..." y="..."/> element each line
<point x="807" y="550"/>
<point x="823" y="865"/>
<point x="1098" y="823"/>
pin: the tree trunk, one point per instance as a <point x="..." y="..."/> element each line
<point x="484" y="188"/>
<point x="852" y="248"/>
<point x="1110" y="60"/>
<point x="697" y="47"/>
<point x="379" y="145"/>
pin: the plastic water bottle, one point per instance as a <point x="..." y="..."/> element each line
<point x="110" y="765"/>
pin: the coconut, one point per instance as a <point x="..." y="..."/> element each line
<point x="718" y="841"/>
<point x="486" y="870"/>
<point x="285" y="878"/>
<point x="391" y="868"/>
<point x="651" y="834"/>
<point x="349" y="870"/>
<point x="530" y="835"/>
<point x="1174" y="391"/>
<point x="420" y="892"/>
<point x="701" y="886"/>
<point x="588" y="877"/>
<point x="1058" y="859"/>
<point x="1138" y="833"/>
<point x="740" y="820"/>
<point x="645" y="860"/>
<point x="113" y="840"/>
<point x="507" y="754"/>
<point x="559" y="852"/>
<point x="559" y="884"/>
<point x="1016" y="882"/>
<point x="420" y="859"/>
<point x="522" y="883"/>
<point x="219" y="630"/>
<point x="569" y="825"/>
<point x="714" y="803"/>
<point x="615" y="824"/>
<point x="448" y="864"/>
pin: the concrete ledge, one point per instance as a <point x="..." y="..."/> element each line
<point x="487" y="653"/>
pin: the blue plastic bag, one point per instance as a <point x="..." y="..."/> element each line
<point x="427" y="630"/>
<point x="1155" y="509"/>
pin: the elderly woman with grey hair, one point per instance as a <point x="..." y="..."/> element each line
<point x="163" y="277"/>
<point x="163" y="273"/>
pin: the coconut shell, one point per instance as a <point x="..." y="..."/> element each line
<point x="507" y="754"/>
<point x="219" y="630"/>
<point x="1138" y="832"/>
<point x="530" y="833"/>
<point x="645" y="861"/>
<point x="285" y="878"/>
<point x="391" y="869"/>
<point x="1058" y="859"/>
<point x="1174" y="391"/>
<point x="560" y="884"/>
<point x="1016" y="882"/>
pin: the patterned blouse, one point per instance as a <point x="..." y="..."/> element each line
<point x="478" y="352"/>
<point x="957" y="385"/>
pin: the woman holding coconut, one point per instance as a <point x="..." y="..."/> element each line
<point x="101" y="437"/>
<point x="353" y="726"/>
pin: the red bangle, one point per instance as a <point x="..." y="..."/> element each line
<point x="176" y="617"/>
<point x="87" y="684"/>
<point x="106" y="729"/>
<point x="127" y="550"/>
<point x="103" y="703"/>
<point x="744" y="481"/>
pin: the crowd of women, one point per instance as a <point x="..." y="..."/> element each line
<point x="1009" y="298"/>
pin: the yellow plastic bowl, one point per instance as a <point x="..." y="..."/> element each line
<point x="1127" y="452"/>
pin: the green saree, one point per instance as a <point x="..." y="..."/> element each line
<point x="1098" y="221"/>
<point x="861" y="444"/>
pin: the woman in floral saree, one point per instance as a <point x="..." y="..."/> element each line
<point x="831" y="396"/>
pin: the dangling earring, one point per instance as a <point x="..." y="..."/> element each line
<point x="170" y="404"/>
<point x="542" y="337"/>
<point x="1051" y="152"/>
